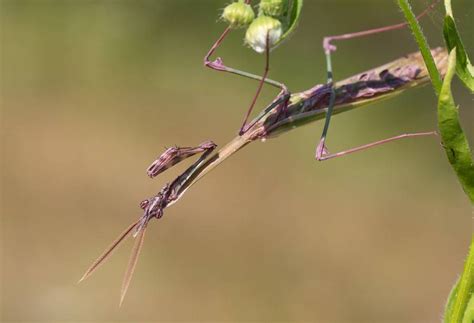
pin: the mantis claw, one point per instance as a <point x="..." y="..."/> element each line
<point x="321" y="151"/>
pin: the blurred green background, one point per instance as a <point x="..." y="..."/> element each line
<point x="91" y="92"/>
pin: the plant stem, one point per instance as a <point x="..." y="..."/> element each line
<point x="422" y="44"/>
<point x="458" y="153"/>
<point x="465" y="288"/>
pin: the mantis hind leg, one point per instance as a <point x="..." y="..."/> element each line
<point x="326" y="155"/>
<point x="321" y="150"/>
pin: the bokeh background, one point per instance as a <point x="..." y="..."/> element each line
<point x="91" y="92"/>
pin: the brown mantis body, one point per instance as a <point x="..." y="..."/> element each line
<point x="286" y="112"/>
<point x="305" y="107"/>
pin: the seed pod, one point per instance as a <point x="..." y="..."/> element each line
<point x="261" y="28"/>
<point x="238" y="14"/>
<point x="273" y="8"/>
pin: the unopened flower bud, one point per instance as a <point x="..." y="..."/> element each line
<point x="273" y="8"/>
<point x="261" y="29"/>
<point x="238" y="14"/>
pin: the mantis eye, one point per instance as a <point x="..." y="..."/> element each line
<point x="238" y="14"/>
<point x="144" y="204"/>
<point x="262" y="29"/>
<point x="273" y="8"/>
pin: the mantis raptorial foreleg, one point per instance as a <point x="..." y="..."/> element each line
<point x="321" y="150"/>
<point x="174" y="155"/>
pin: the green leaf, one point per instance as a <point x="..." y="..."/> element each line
<point x="291" y="20"/>
<point x="459" y="155"/>
<point x="460" y="304"/>
<point x="464" y="68"/>
<point x="422" y="44"/>
<point x="448" y="311"/>
<point x="469" y="313"/>
<point x="452" y="135"/>
<point x="460" y="307"/>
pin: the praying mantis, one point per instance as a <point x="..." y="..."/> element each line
<point x="287" y="111"/>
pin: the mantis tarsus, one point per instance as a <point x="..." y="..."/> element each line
<point x="286" y="112"/>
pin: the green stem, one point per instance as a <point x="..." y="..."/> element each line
<point x="422" y="44"/>
<point x="464" y="289"/>
<point x="458" y="153"/>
